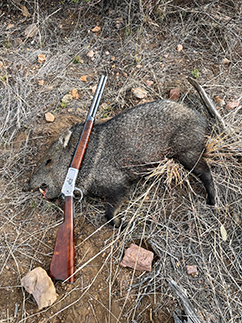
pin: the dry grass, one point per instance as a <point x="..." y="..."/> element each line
<point x="168" y="212"/>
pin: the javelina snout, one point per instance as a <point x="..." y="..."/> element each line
<point x="121" y="149"/>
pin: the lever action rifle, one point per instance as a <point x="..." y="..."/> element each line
<point x="62" y="265"/>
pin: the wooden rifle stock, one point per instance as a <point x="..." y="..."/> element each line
<point x="62" y="265"/>
<point x="63" y="260"/>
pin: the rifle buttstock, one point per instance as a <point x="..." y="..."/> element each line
<point x="63" y="260"/>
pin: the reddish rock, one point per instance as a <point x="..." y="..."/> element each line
<point x="138" y="258"/>
<point x="192" y="270"/>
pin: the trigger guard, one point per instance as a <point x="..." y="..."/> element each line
<point x="80" y="191"/>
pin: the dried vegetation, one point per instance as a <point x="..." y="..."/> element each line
<point x="167" y="212"/>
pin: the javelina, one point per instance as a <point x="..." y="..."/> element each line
<point x="122" y="148"/>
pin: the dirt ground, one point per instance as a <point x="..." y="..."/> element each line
<point x="152" y="45"/>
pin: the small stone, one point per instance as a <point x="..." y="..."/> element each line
<point x="49" y="117"/>
<point x="138" y="258"/>
<point x="139" y="93"/>
<point x="179" y="48"/>
<point x="192" y="270"/>
<point x="40" y="285"/>
<point x="174" y="94"/>
<point x="90" y="54"/>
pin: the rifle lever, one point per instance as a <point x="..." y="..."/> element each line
<point x="80" y="191"/>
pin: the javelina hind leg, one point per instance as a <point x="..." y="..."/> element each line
<point x="202" y="171"/>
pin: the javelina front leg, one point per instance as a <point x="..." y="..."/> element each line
<point x="113" y="201"/>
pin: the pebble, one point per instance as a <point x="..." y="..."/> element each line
<point x="49" y="117"/>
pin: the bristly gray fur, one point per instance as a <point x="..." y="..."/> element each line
<point x="121" y="149"/>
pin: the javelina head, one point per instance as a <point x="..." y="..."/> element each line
<point x="51" y="173"/>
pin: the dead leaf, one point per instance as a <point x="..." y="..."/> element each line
<point x="41" y="82"/>
<point x="96" y="29"/>
<point x="41" y="58"/>
<point x="94" y="89"/>
<point x="225" y="61"/>
<point x="174" y="94"/>
<point x="1" y="64"/>
<point x="149" y="83"/>
<point x="83" y="78"/>
<point x="223" y="232"/>
<point x="232" y="105"/>
<point x="9" y="26"/>
<point x="67" y="98"/>
<point x="75" y="94"/>
<point x="31" y="30"/>
<point x="220" y="101"/>
<point x="139" y="93"/>
<point x="25" y="11"/>
<point x="119" y="23"/>
<point x="236" y="218"/>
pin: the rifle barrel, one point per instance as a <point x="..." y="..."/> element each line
<point x="99" y="94"/>
<point x="97" y="97"/>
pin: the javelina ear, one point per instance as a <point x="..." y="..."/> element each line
<point x="65" y="137"/>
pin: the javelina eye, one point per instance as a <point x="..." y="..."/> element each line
<point x="48" y="162"/>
